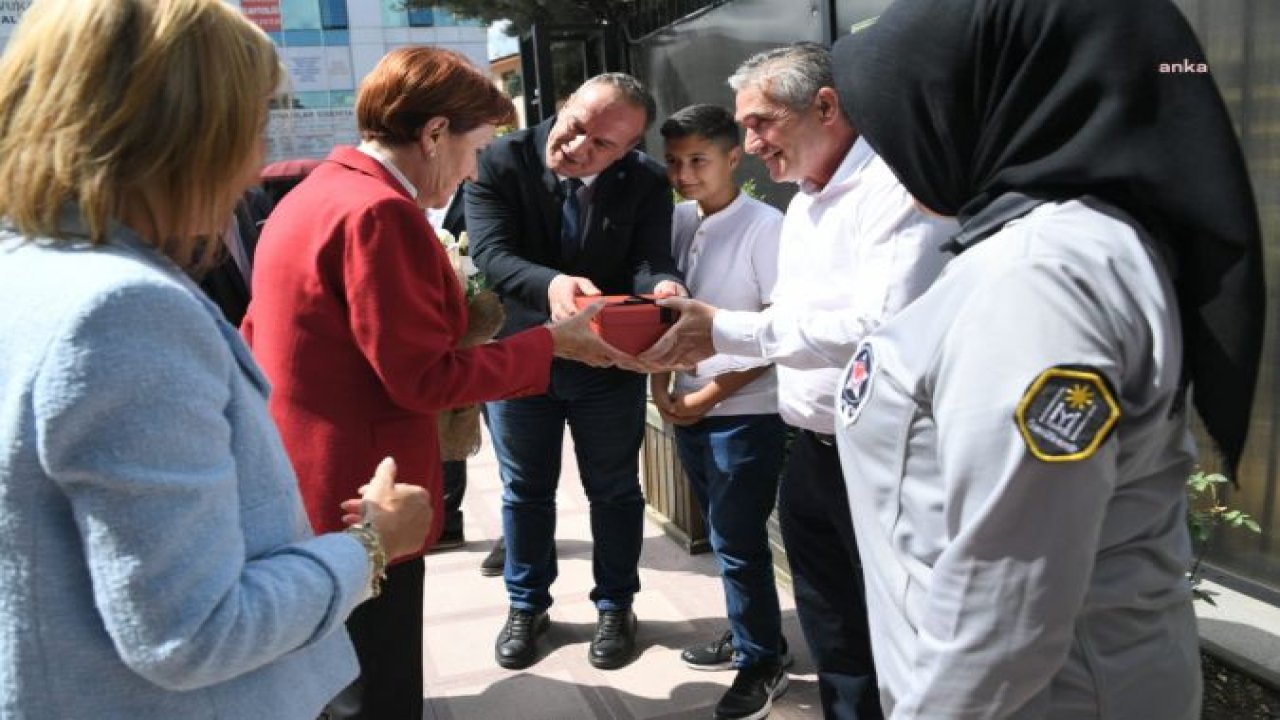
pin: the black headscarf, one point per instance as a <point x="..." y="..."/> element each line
<point x="985" y="107"/>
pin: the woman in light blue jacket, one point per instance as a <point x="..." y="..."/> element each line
<point x="155" y="561"/>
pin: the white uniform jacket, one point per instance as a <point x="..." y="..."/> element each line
<point x="1015" y="451"/>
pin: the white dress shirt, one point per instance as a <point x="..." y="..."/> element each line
<point x="852" y="254"/>
<point x="383" y="159"/>
<point x="730" y="260"/>
<point x="435" y="216"/>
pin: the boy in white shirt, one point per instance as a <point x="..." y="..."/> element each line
<point x="728" y="433"/>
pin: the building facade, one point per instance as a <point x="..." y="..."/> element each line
<point x="505" y="71"/>
<point x="328" y="46"/>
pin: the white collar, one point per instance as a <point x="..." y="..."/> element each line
<point x="586" y="180"/>
<point x="854" y="160"/>
<point x="723" y="213"/>
<point x="377" y="152"/>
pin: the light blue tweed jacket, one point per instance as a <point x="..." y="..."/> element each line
<point x="155" y="560"/>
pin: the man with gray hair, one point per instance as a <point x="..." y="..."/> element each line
<point x="565" y="209"/>
<point x="854" y="251"/>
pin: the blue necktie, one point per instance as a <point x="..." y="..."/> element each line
<point x="570" y="218"/>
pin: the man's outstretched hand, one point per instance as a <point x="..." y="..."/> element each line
<point x="687" y="343"/>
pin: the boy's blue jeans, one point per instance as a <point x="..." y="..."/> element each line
<point x="733" y="463"/>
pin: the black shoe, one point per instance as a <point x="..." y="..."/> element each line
<point x="720" y="655"/>
<point x="517" y="645"/>
<point x="786" y="658"/>
<point x="715" y="655"/>
<point x="449" y="540"/>
<point x="614" y="644"/>
<point x="753" y="691"/>
<point x="496" y="560"/>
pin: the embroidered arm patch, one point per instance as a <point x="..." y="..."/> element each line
<point x="856" y="385"/>
<point x="1067" y="413"/>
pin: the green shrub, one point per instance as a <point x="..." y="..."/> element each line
<point x="1205" y="514"/>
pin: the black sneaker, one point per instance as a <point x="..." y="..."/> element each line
<point x="496" y="560"/>
<point x="517" y="645"/>
<point x="786" y="658"/>
<point x="614" y="644"/>
<point x="720" y="655"/>
<point x="449" y="540"/>
<point x="753" y="691"/>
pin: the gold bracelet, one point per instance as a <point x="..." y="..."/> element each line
<point x="368" y="537"/>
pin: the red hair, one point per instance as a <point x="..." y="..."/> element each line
<point x="411" y="85"/>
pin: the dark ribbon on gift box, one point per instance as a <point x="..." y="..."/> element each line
<point x="665" y="315"/>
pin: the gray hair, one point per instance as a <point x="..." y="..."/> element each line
<point x="630" y="89"/>
<point x="790" y="75"/>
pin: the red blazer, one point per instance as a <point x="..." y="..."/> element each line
<point x="355" y="319"/>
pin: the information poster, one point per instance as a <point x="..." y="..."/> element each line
<point x="10" y="13"/>
<point x="309" y="132"/>
<point x="318" y="69"/>
<point x="266" y="13"/>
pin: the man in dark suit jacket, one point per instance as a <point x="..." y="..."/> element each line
<point x="565" y="209"/>
<point x="228" y="283"/>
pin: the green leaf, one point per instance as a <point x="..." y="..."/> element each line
<point x="1201" y="532"/>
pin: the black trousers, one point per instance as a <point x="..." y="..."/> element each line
<point x="455" y="488"/>
<point x="387" y="633"/>
<point x="826" y="575"/>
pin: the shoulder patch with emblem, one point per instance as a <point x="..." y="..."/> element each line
<point x="856" y="385"/>
<point x="1067" y="413"/>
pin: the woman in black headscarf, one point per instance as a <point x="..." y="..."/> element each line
<point x="1016" y="440"/>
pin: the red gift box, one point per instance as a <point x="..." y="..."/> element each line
<point x="631" y="323"/>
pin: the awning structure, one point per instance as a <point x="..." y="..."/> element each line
<point x="289" y="169"/>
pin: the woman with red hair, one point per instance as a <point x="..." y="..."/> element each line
<point x="356" y="320"/>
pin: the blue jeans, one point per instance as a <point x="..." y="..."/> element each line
<point x="733" y="463"/>
<point x="604" y="409"/>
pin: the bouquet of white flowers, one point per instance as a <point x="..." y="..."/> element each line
<point x="460" y="427"/>
<point x="469" y="276"/>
